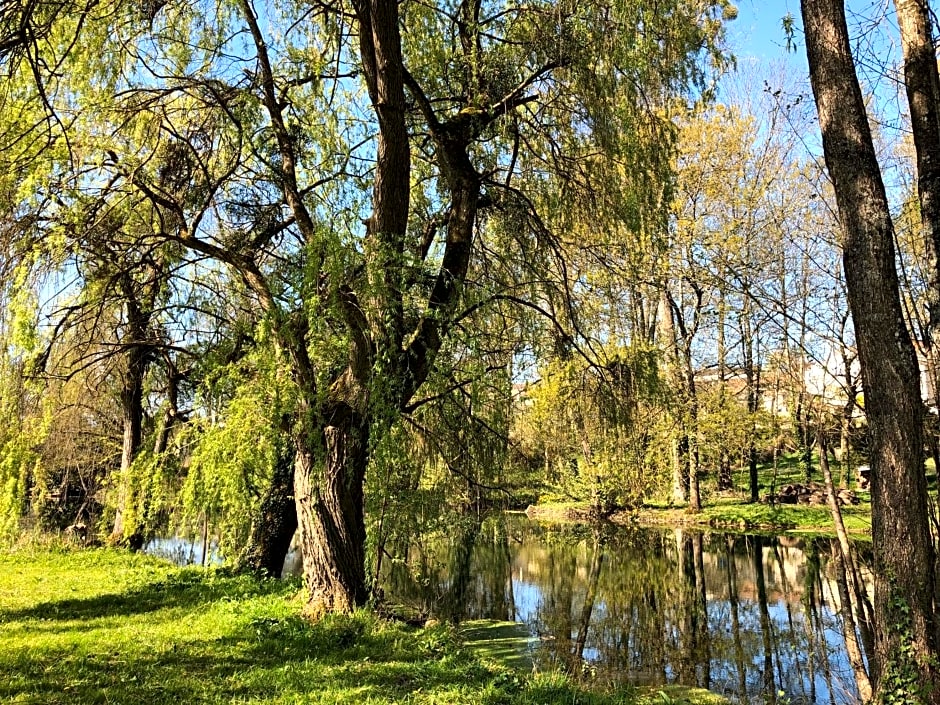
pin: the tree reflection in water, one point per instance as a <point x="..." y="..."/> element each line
<point x="746" y="616"/>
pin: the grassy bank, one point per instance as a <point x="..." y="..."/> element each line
<point x="103" y="626"/>
<point x="729" y="513"/>
<point x="732" y="510"/>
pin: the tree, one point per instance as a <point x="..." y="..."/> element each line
<point x="906" y="648"/>
<point x="375" y="228"/>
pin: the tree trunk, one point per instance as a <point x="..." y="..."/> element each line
<point x="922" y="84"/>
<point x="906" y="654"/>
<point x="273" y="528"/>
<point x="725" y="478"/>
<point x="842" y="556"/>
<point x="752" y="381"/>
<point x="132" y="414"/>
<point x="171" y="412"/>
<point x="695" y="495"/>
<point x="666" y="334"/>
<point x="329" y="499"/>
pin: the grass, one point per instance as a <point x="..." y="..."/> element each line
<point x="734" y="511"/>
<point x="104" y="626"/>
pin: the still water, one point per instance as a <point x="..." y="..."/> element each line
<point x="754" y="618"/>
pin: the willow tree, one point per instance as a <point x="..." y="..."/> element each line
<point x="359" y="168"/>
<point x="513" y="104"/>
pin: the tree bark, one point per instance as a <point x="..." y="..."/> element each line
<point x="922" y="83"/>
<point x="132" y="414"/>
<point x="725" y="477"/>
<point x="842" y="556"/>
<point x="666" y="333"/>
<point x="328" y="491"/>
<point x="906" y="653"/>
<point x="273" y="528"/>
<point x="752" y="381"/>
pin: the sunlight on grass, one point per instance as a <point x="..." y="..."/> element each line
<point x="102" y="626"/>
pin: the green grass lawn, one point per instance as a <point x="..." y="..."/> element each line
<point x="735" y="510"/>
<point x="104" y="626"/>
<point x="732" y="510"/>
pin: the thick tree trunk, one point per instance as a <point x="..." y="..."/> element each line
<point x="906" y="654"/>
<point x="668" y="343"/>
<point x="273" y="528"/>
<point x="328" y="490"/>
<point x="922" y="83"/>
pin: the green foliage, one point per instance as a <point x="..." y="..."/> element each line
<point x="17" y="464"/>
<point x="20" y="433"/>
<point x="151" y="488"/>
<point x="901" y="681"/>
<point x="726" y="427"/>
<point x="232" y="453"/>
<point x="593" y="428"/>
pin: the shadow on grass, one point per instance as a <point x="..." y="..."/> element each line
<point x="187" y="588"/>
<point x="286" y="660"/>
<point x="265" y="659"/>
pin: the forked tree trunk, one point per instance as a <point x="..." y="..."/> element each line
<point x="328" y="490"/>
<point x="906" y="656"/>
<point x="922" y="83"/>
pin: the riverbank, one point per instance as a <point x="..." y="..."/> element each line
<point x="726" y="513"/>
<point x="731" y="511"/>
<point x="100" y="625"/>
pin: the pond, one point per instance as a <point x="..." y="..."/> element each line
<point x="182" y="551"/>
<point x="750" y="617"/>
<point x="754" y="618"/>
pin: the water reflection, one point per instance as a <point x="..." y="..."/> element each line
<point x="183" y="551"/>
<point x="754" y="618"/>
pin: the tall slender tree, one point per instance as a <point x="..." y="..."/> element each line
<point x="906" y="647"/>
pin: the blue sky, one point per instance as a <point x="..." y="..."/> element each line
<point x="757" y="32"/>
<point x="757" y="37"/>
